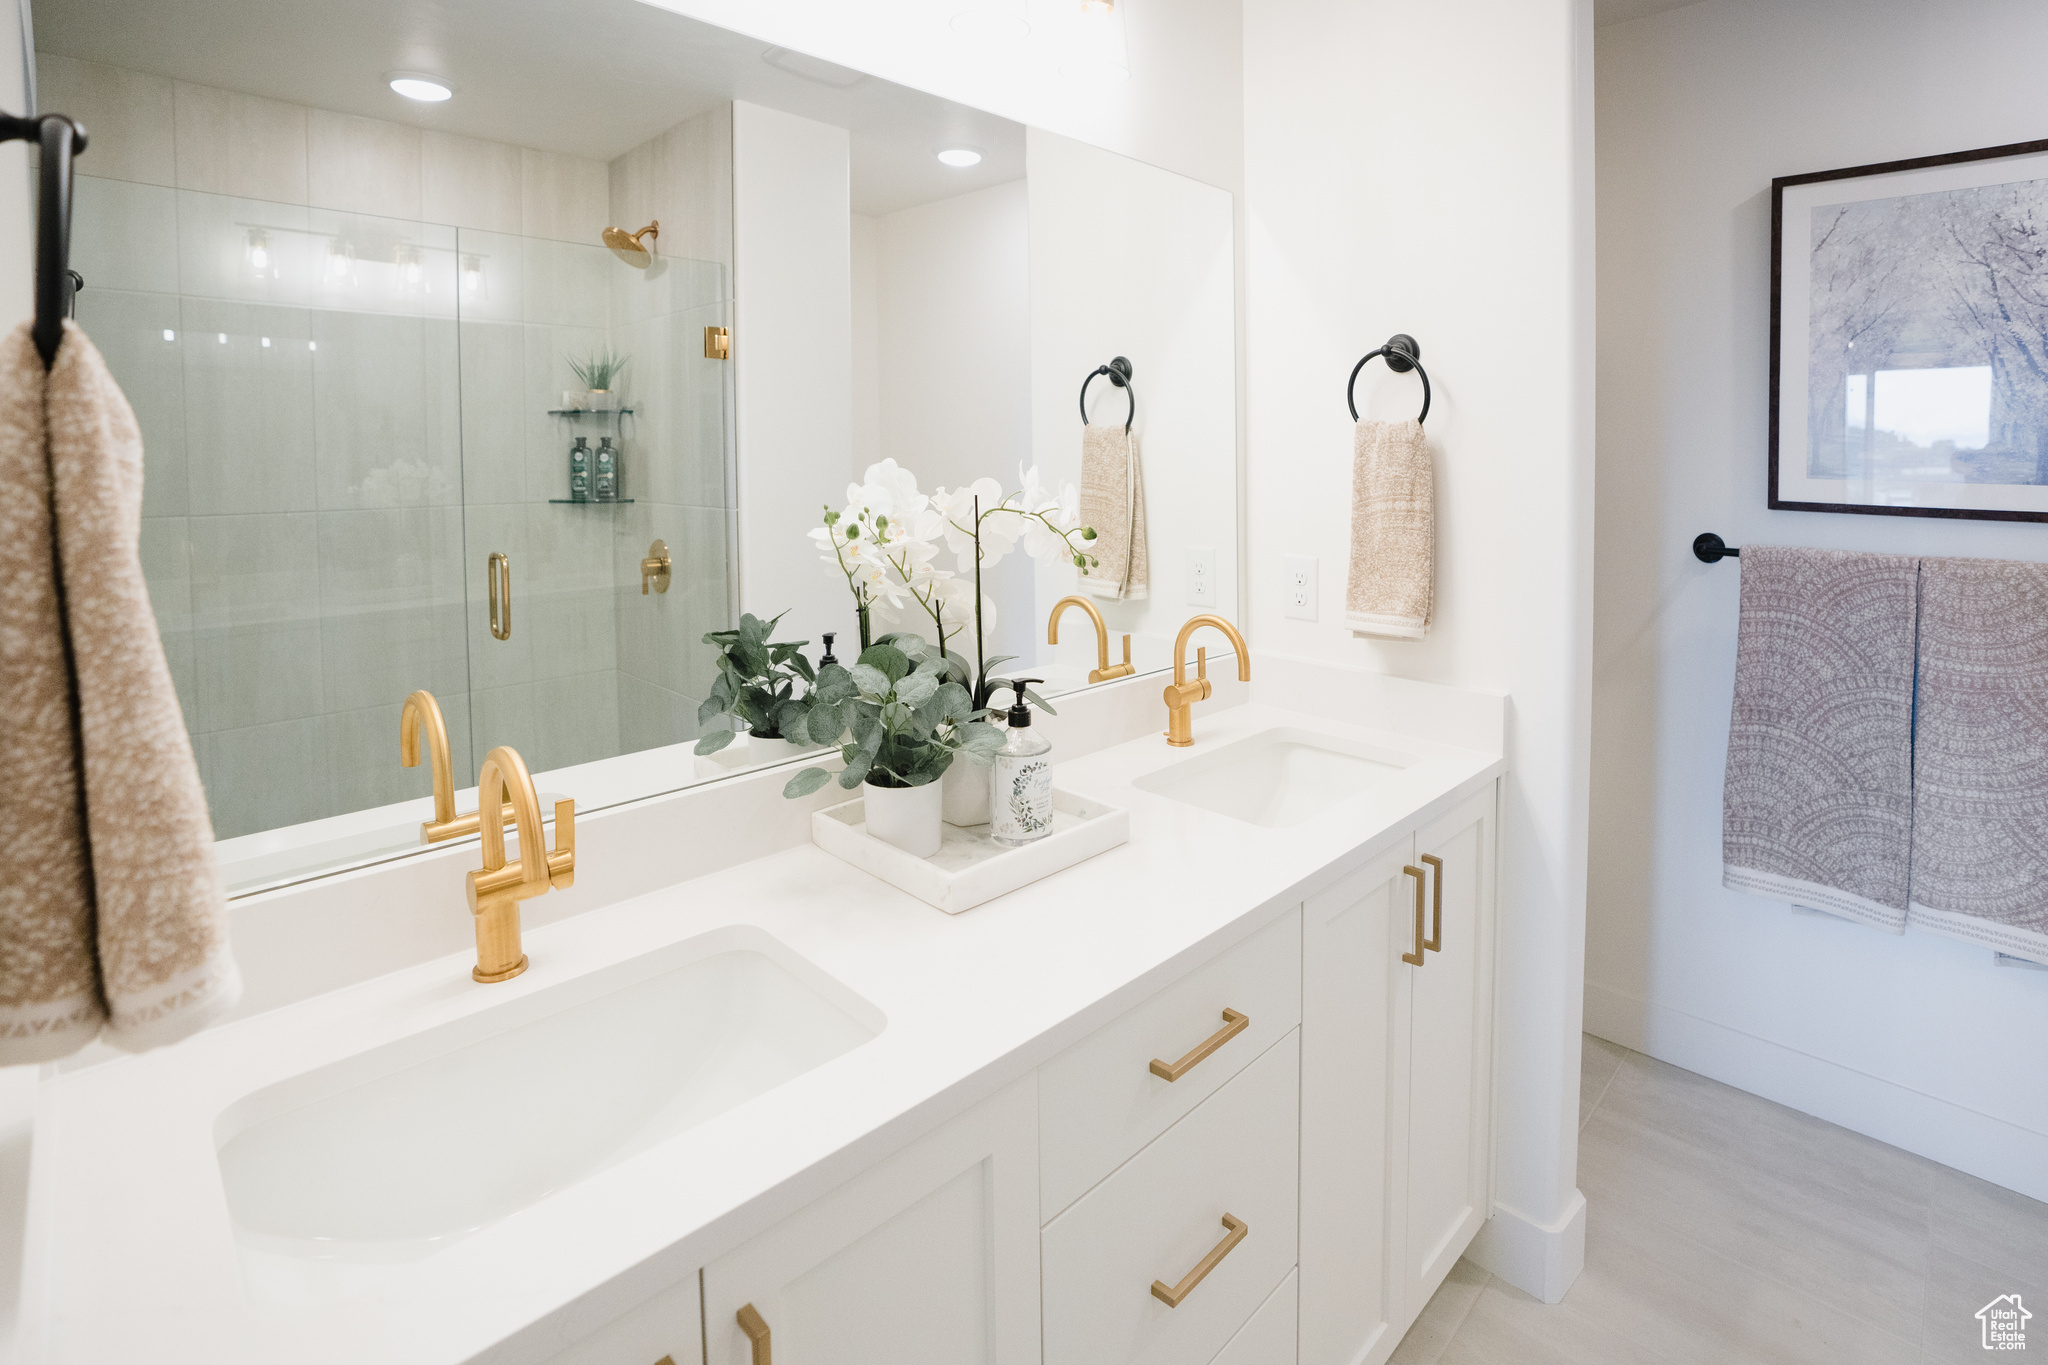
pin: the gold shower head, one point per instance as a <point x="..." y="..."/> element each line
<point x="626" y="245"/>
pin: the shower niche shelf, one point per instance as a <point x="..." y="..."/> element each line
<point x="588" y="502"/>
<point x="590" y="412"/>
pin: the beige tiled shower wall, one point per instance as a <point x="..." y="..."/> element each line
<point x="682" y="403"/>
<point x="313" y="486"/>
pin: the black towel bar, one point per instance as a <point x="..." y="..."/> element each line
<point x="1709" y="548"/>
<point x="1119" y="372"/>
<point x="60" y="139"/>
<point x="1403" y="353"/>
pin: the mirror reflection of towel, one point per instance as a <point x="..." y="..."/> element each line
<point x="1113" y="502"/>
<point x="1391" y="589"/>
<point x="111" y="911"/>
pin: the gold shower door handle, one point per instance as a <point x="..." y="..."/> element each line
<point x="1233" y="1024"/>
<point x="1435" y="942"/>
<point x="1414" y="959"/>
<point x="498" y="583"/>
<point x="756" y="1327"/>
<point x="1172" y="1297"/>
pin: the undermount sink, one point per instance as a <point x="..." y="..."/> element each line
<point x="336" y="1175"/>
<point x="1276" y="778"/>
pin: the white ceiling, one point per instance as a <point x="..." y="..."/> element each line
<point x="592" y="79"/>
<point x="1607" y="12"/>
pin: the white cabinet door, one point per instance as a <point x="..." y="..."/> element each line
<point x="666" y="1328"/>
<point x="1268" y="1339"/>
<point x="1349" y="935"/>
<point x="1448" y="1018"/>
<point x="931" y="1258"/>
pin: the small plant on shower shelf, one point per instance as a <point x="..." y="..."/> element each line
<point x="598" y="371"/>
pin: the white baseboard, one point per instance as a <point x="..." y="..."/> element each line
<point x="1989" y="1148"/>
<point x="1540" y="1260"/>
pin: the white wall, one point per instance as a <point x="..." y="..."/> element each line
<point x="1130" y="260"/>
<point x="1915" y="1040"/>
<point x="792" y="349"/>
<point x="942" y="358"/>
<point x="1426" y="169"/>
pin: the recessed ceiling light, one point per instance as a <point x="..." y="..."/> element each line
<point x="962" y="157"/>
<point x="425" y="89"/>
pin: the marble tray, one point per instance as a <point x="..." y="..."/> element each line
<point x="970" y="868"/>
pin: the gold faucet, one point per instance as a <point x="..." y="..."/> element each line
<point x="1106" y="670"/>
<point x="496" y="889"/>
<point x="1181" y="695"/>
<point x="423" y="714"/>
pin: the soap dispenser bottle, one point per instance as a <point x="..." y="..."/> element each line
<point x="1020" y="790"/>
<point x="607" y="471"/>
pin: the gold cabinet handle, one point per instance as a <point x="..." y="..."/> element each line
<point x="1414" y="959"/>
<point x="1435" y="942"/>
<point x="1172" y="1297"/>
<point x="1233" y="1024"/>
<point x="498" y="582"/>
<point x="756" y="1328"/>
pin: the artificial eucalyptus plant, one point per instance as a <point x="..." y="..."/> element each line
<point x="904" y="715"/>
<point x="756" y="683"/>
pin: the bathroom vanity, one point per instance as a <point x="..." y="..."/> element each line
<point x="1220" y="1094"/>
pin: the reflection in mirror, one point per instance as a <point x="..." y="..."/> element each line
<point x="526" y="398"/>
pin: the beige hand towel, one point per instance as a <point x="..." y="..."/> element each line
<point x="1113" y="503"/>
<point x="1980" y="755"/>
<point x="1817" y="802"/>
<point x="111" y="909"/>
<point x="1393" y="532"/>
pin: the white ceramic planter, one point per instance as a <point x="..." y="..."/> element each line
<point x="905" y="817"/>
<point x="966" y="792"/>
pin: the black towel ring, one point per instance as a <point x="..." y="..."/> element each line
<point x="1119" y="372"/>
<point x="1403" y="353"/>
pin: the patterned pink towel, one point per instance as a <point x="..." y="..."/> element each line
<point x="1980" y="764"/>
<point x="1818" y="803"/>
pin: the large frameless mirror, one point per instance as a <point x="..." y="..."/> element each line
<point x="526" y="394"/>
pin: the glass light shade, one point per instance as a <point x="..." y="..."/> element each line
<point x="961" y="157"/>
<point x="425" y="89"/>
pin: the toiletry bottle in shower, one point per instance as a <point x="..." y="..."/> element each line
<point x="1020" y="785"/>
<point x="579" y="470"/>
<point x="607" y="471"/>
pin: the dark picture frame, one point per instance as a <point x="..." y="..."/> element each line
<point x="1778" y="358"/>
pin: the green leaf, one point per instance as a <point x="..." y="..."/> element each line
<point x="871" y="681"/>
<point x="803" y="668"/>
<point x="980" y="742"/>
<point x="991" y="665"/>
<point x="707" y="711"/>
<point x="1031" y="695"/>
<point x="714" y="740"/>
<point x="955" y="703"/>
<point x="805" y="782"/>
<point x="915" y="689"/>
<point x="856" y="772"/>
<point x="886" y="659"/>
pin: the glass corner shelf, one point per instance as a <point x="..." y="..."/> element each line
<point x="590" y="412"/>
<point x="588" y="502"/>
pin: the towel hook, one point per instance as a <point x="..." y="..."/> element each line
<point x="1403" y="353"/>
<point x="1119" y="372"/>
<point x="60" y="139"/>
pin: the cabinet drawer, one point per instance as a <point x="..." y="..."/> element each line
<point x="1099" y="1101"/>
<point x="667" y="1325"/>
<point x="1162" y="1214"/>
<point x="1269" y="1338"/>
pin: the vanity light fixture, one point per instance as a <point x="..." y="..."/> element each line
<point x="262" y="261"/>
<point x="472" y="275"/>
<point x="960" y="157"/>
<point x="414" y="86"/>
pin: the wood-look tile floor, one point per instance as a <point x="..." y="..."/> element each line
<point x="1723" y="1229"/>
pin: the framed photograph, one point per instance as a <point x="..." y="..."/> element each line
<point x="1909" y="337"/>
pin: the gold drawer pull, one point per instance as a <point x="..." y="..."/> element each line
<point x="1172" y="1297"/>
<point x="756" y="1328"/>
<point x="1233" y="1024"/>
<point x="1435" y="942"/>
<point x="1414" y="959"/>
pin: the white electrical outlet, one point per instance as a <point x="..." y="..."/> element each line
<point x="1201" y="577"/>
<point x="1301" y="587"/>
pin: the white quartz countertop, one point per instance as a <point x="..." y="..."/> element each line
<point x="131" y="1255"/>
